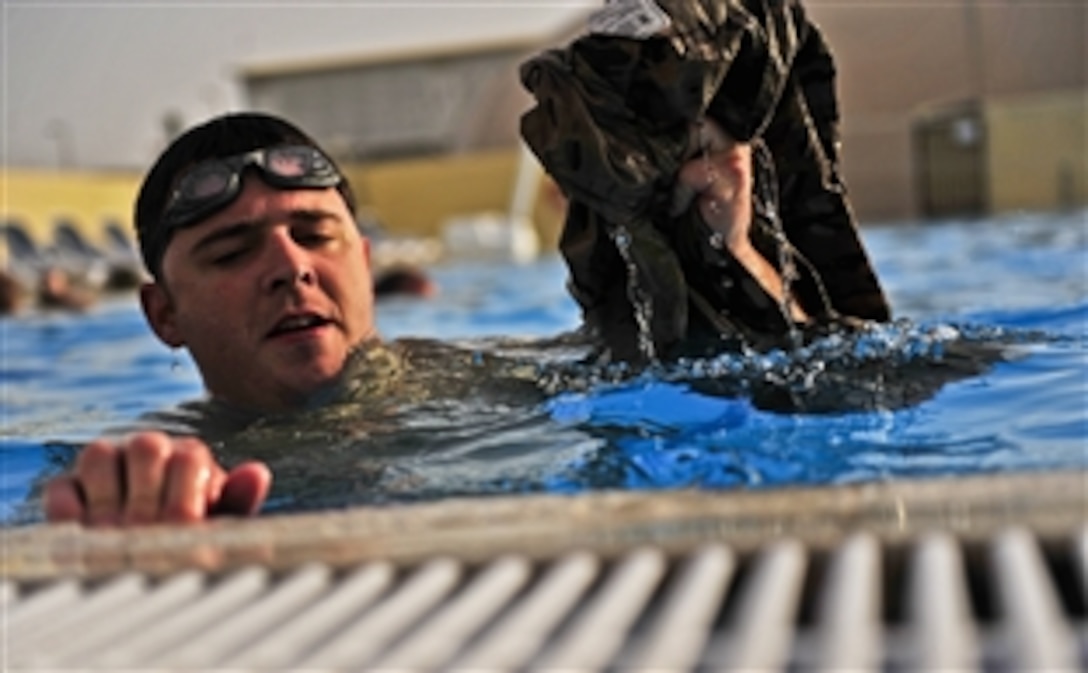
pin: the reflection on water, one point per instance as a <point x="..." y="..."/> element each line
<point x="988" y="374"/>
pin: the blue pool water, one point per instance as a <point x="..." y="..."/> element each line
<point x="1018" y="280"/>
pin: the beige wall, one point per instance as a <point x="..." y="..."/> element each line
<point x="896" y="59"/>
<point x="1038" y="152"/>
<point x="411" y="197"/>
<point x="415" y="197"/>
<point x="39" y="199"/>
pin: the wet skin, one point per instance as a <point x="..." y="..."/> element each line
<point x="150" y="477"/>
<point x="722" y="184"/>
<point x="269" y="296"/>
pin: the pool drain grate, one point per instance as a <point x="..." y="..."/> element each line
<point x="1012" y="601"/>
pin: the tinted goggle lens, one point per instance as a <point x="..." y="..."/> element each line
<point x="206" y="182"/>
<point x="213" y="184"/>
<point x="290" y="162"/>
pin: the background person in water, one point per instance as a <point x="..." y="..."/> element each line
<point x="247" y="229"/>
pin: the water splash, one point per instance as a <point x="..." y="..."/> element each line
<point x="765" y="204"/>
<point x="862" y="367"/>
<point x="641" y="301"/>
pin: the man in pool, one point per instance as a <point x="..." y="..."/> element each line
<point x="247" y="229"/>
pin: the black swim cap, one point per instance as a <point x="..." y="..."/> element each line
<point x="218" y="138"/>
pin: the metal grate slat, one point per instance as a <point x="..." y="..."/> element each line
<point x="683" y="626"/>
<point x="287" y="642"/>
<point x="244" y="626"/>
<point x="440" y="637"/>
<point x="942" y="628"/>
<point x="758" y="636"/>
<point x="102" y="602"/>
<point x="1079" y="551"/>
<point x="387" y="620"/>
<point x="9" y="592"/>
<point x="186" y="625"/>
<point x="848" y="632"/>
<point x="510" y="644"/>
<point x="42" y="606"/>
<point x="160" y="600"/>
<point x="599" y="629"/>
<point x="1035" y="630"/>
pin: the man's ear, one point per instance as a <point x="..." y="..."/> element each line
<point x="366" y="250"/>
<point x="159" y="311"/>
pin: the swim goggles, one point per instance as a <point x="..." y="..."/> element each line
<point x="212" y="185"/>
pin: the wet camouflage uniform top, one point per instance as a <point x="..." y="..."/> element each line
<point x="612" y="127"/>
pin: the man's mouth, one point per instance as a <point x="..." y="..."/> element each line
<point x="295" y="324"/>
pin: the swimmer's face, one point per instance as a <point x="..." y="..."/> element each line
<point x="269" y="295"/>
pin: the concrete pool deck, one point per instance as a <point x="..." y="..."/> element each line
<point x="541" y="527"/>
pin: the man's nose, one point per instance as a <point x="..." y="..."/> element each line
<point x="288" y="263"/>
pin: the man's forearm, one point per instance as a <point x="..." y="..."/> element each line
<point x="767" y="276"/>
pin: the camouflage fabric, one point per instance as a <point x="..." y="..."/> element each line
<point x="612" y="127"/>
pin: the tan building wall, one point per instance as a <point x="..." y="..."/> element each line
<point x="897" y="59"/>
<point x="411" y="197"/>
<point x="417" y="196"/>
<point x="38" y="200"/>
<point x="1038" y="152"/>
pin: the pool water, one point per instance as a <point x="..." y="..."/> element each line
<point x="1017" y="281"/>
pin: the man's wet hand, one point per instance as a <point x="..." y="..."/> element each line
<point x="150" y="477"/>
<point x="719" y="180"/>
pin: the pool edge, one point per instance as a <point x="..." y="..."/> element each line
<point x="1051" y="505"/>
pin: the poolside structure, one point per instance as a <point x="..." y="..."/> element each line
<point x="974" y="573"/>
<point x="996" y="88"/>
<point x="901" y="67"/>
<point x="24" y="258"/>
